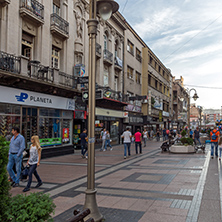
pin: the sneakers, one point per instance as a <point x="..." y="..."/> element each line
<point x="212" y="157"/>
<point x="16" y="185"/>
<point x="104" y="150"/>
<point x="111" y="149"/>
<point x="124" y="157"/>
<point x="26" y="189"/>
<point x="38" y="185"/>
<point x="86" y="157"/>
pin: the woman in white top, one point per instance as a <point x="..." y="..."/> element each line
<point x="33" y="162"/>
<point x="145" y="136"/>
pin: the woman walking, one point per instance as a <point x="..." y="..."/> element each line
<point x="108" y="141"/>
<point x="33" y="162"/>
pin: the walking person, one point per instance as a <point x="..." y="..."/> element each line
<point x="103" y="137"/>
<point x="151" y="133"/>
<point x="17" y="145"/>
<point x="83" y="138"/>
<point x="33" y="162"/>
<point x="220" y="147"/>
<point x="108" y="141"/>
<point x="157" y="135"/>
<point x="164" y="134"/>
<point x="145" y="136"/>
<point x="214" y="138"/>
<point x="126" y="141"/>
<point x="138" y="141"/>
<point x="191" y="133"/>
<point x="196" y="136"/>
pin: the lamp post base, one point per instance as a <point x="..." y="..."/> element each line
<point x="90" y="202"/>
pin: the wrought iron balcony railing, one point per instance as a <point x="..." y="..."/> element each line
<point x="108" y="55"/>
<point x="67" y="80"/>
<point x="10" y="62"/>
<point x="38" y="71"/>
<point x="60" y="23"/>
<point x="34" y="6"/>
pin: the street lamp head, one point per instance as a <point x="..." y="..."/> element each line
<point x="195" y="96"/>
<point x="105" y="8"/>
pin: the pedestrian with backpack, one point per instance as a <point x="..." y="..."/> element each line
<point x="214" y="137"/>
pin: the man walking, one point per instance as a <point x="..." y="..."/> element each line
<point x="145" y="136"/>
<point x="17" y="145"/>
<point x="138" y="141"/>
<point x="214" y="139"/>
<point x="196" y="136"/>
<point x="83" y="138"/>
<point x="164" y="134"/>
<point x="103" y="137"/>
<point x="127" y="141"/>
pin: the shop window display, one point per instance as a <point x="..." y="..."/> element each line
<point x="66" y="131"/>
<point x="6" y="124"/>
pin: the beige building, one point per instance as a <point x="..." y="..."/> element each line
<point x="43" y="55"/>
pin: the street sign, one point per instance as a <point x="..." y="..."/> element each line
<point x="99" y="95"/>
<point x="83" y="80"/>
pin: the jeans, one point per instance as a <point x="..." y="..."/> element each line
<point x="32" y="170"/>
<point x="220" y="149"/>
<point x="157" y="138"/>
<point x="126" y="145"/>
<point x="144" y="140"/>
<point x="17" y="160"/>
<point x="164" y="137"/>
<point x="103" y="144"/>
<point x="140" y="146"/>
<point x="197" y="139"/>
<point x="83" y="149"/>
<point x="212" y="148"/>
<point x="107" y="143"/>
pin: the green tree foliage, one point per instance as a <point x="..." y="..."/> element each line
<point x="4" y="184"/>
<point x="35" y="207"/>
<point x="183" y="133"/>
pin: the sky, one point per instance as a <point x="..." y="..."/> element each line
<point x="186" y="35"/>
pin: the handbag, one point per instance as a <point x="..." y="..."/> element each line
<point x="25" y="172"/>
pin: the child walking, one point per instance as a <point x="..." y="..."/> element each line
<point x="33" y="162"/>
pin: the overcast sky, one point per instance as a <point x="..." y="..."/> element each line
<point x="186" y="35"/>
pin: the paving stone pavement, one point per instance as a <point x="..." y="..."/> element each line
<point x="148" y="187"/>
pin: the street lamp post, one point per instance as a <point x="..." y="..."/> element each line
<point x="195" y="97"/>
<point x="105" y="8"/>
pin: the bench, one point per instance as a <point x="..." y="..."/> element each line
<point x="79" y="216"/>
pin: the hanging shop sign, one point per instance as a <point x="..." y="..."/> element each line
<point x="28" y="98"/>
<point x="133" y="108"/>
<point x="166" y="114"/>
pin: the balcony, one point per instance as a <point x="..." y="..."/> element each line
<point x="59" y="26"/>
<point x="32" y="10"/>
<point x="10" y="63"/>
<point x="67" y="80"/>
<point x="98" y="50"/>
<point x="107" y="57"/>
<point x="118" y="64"/>
<point x="40" y="72"/>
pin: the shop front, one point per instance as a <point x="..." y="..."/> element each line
<point x="112" y="120"/>
<point x="49" y="117"/>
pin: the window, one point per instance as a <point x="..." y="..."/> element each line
<point x="105" y="42"/>
<point x="138" y="77"/>
<point x="130" y="47"/>
<point x="160" y="87"/>
<point x="106" y="77"/>
<point x="116" y="48"/>
<point x="138" y="55"/>
<point x="55" y="57"/>
<point x="116" y="84"/>
<point x="163" y="73"/>
<point x="129" y="72"/>
<point x="159" y="69"/>
<point x="156" y="84"/>
<point x="164" y="90"/>
<point x="149" y="80"/>
<point x="151" y="60"/>
<point x="27" y="45"/>
<point x="56" y="7"/>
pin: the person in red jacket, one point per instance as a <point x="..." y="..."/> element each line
<point x="214" y="139"/>
<point x="138" y="141"/>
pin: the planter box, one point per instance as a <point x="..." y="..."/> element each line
<point x="182" y="149"/>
